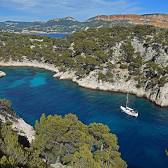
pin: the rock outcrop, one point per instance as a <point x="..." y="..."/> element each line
<point x="158" y="96"/>
<point x="2" y="74"/>
<point x="24" y="129"/>
<point x="18" y="124"/>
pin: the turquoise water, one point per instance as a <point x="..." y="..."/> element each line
<point x="142" y="141"/>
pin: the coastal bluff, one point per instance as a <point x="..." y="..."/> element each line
<point x="121" y="59"/>
<point x="8" y="115"/>
<point x="158" y="20"/>
<point x="158" y="96"/>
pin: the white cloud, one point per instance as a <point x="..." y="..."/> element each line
<point x="79" y="8"/>
<point x="20" y="3"/>
<point x="65" y="3"/>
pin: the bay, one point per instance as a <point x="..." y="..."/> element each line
<point x="142" y="140"/>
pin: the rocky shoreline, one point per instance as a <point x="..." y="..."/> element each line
<point x="2" y="74"/>
<point x="24" y="129"/>
<point x="159" y="97"/>
<point x="20" y="126"/>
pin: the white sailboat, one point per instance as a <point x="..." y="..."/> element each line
<point x="129" y="110"/>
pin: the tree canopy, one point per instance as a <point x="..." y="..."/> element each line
<point x="60" y="139"/>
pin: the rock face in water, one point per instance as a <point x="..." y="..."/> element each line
<point x="156" y="95"/>
<point x="18" y="124"/>
<point x="2" y="74"/>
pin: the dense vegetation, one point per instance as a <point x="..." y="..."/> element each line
<point x="106" y="51"/>
<point x="58" y="139"/>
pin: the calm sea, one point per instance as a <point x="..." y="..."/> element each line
<point x="142" y="141"/>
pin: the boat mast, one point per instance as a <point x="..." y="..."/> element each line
<point x="127" y="100"/>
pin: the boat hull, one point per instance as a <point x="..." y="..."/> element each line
<point x="129" y="111"/>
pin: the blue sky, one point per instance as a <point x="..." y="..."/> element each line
<point x="28" y="10"/>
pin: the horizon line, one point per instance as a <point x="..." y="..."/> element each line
<point x="157" y="13"/>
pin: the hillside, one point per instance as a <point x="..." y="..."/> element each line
<point x="59" y="142"/>
<point x="69" y="24"/>
<point x="122" y="59"/>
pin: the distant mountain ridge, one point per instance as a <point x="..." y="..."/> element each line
<point x="158" y="20"/>
<point x="70" y="24"/>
